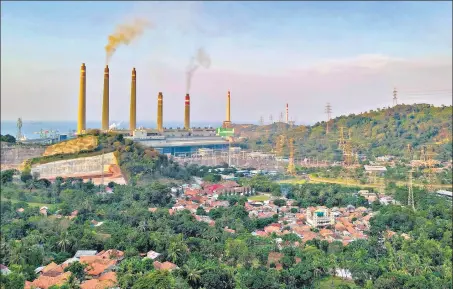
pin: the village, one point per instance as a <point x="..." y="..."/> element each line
<point x="344" y="224"/>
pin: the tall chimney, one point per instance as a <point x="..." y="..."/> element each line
<point x="133" y="109"/>
<point x="187" y="113"/>
<point x="105" y="100"/>
<point x="81" y="123"/>
<point x="160" y="106"/>
<point x="228" y="111"/>
<point x="287" y="114"/>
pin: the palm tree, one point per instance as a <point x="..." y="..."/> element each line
<point x="176" y="250"/>
<point x="193" y="271"/>
<point x="143" y="226"/>
<point x="64" y="242"/>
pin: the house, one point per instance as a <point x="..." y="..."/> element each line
<point x="43" y="211"/>
<point x="4" y="270"/>
<point x="105" y="281"/>
<point x="226" y="229"/>
<point x="112" y="254"/>
<point x="97" y="265"/>
<point x="44" y="282"/>
<point x="164" y="266"/>
<point x="81" y="253"/>
<point x="53" y="270"/>
<point x="152" y="255"/>
<point x="274" y="258"/>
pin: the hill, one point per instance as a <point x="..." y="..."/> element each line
<point x="85" y="143"/>
<point x="373" y="133"/>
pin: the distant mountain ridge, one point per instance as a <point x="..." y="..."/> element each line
<point x="373" y="133"/>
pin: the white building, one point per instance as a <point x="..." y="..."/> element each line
<point x="320" y="217"/>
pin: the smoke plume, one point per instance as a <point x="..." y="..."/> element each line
<point x="125" y="34"/>
<point x="201" y="58"/>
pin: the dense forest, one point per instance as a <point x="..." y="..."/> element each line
<point x="374" y="133"/>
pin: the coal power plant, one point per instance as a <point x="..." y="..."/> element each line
<point x="174" y="141"/>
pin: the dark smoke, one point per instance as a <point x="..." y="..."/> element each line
<point x="201" y="58"/>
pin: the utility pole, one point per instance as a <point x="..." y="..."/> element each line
<point x="395" y="99"/>
<point x="328" y="111"/>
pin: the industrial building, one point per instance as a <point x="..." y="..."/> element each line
<point x="167" y="141"/>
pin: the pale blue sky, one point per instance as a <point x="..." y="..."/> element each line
<point x="258" y="49"/>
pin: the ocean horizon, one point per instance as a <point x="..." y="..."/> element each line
<point x="31" y="129"/>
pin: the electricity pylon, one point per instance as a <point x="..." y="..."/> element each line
<point x="410" y="194"/>
<point x="328" y="111"/>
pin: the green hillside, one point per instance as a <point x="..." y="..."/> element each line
<point x="373" y="133"/>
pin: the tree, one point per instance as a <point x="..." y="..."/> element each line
<point x="279" y="202"/>
<point x="77" y="269"/>
<point x="192" y="272"/>
<point x="12" y="281"/>
<point x="8" y="138"/>
<point x="161" y="279"/>
<point x="7" y="176"/>
<point x="64" y="242"/>
<point x="217" y="278"/>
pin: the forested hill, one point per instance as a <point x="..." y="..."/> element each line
<point x="374" y="133"/>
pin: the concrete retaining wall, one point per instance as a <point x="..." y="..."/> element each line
<point x="88" y="165"/>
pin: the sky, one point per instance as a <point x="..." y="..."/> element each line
<point x="350" y="54"/>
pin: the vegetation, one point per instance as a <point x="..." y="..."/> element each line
<point x="374" y="133"/>
<point x="208" y="256"/>
<point x="7" y="138"/>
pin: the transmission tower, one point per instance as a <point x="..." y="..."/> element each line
<point x="395" y="99"/>
<point x="328" y="111"/>
<point x="279" y="146"/>
<point x="271" y="119"/>
<point x="348" y="154"/>
<point x="409" y="152"/>
<point x="341" y="140"/>
<point x="430" y="166"/>
<point x="291" y="166"/>
<point x="19" y="129"/>
<point x="410" y="194"/>
<point x="261" y="122"/>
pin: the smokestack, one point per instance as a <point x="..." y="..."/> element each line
<point x="228" y="111"/>
<point x="133" y="109"/>
<point x="187" y="113"/>
<point x="287" y="115"/>
<point x="81" y="123"/>
<point x="105" y="100"/>
<point x="160" y="106"/>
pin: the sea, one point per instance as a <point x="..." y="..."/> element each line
<point x="31" y="129"/>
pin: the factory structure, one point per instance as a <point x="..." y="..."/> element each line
<point x="186" y="140"/>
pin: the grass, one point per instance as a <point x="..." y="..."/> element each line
<point x="326" y="283"/>
<point x="355" y="183"/>
<point x="259" y="198"/>
<point x="293" y="181"/>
